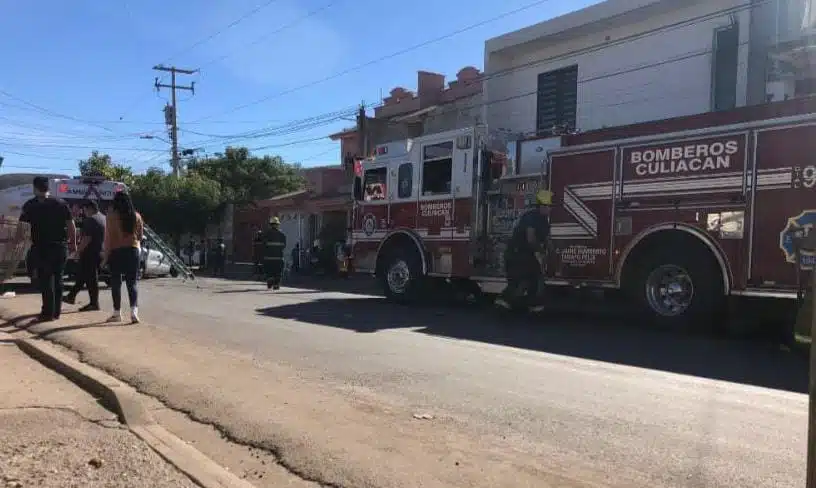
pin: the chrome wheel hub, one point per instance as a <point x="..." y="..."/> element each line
<point x="398" y="276"/>
<point x="669" y="290"/>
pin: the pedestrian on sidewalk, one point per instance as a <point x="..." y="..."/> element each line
<point x="296" y="257"/>
<point x="53" y="236"/>
<point x="190" y="252"/>
<point x="124" y="231"/>
<point x="90" y="256"/>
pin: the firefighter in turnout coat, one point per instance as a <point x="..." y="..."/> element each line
<point x="525" y="255"/>
<point x="273" y="243"/>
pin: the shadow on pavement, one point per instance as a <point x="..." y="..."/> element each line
<point x="589" y="334"/>
<point x="356" y="285"/>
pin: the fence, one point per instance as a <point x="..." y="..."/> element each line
<point x="14" y="238"/>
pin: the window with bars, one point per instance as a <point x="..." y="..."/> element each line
<point x="557" y="102"/>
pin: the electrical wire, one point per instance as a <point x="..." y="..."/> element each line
<point x="70" y="146"/>
<point x="223" y="29"/>
<point x="275" y="32"/>
<point x="487" y="76"/>
<point x="194" y="45"/>
<point x="51" y="112"/>
<point x="379" y="60"/>
<point x="312" y="122"/>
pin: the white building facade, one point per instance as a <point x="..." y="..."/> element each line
<point x="628" y="61"/>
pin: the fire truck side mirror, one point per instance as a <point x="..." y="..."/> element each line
<point x="358" y="188"/>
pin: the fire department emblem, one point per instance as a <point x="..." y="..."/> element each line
<point x="799" y="226"/>
<point x="369" y="224"/>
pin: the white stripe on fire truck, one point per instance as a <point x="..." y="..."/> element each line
<point x="683" y="178"/>
<point x="585" y="217"/>
<point x="569" y="231"/>
<point x="602" y="190"/>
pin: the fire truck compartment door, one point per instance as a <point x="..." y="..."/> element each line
<point x="784" y="205"/>
<point x="581" y="218"/>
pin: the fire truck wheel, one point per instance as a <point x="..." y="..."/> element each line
<point x="679" y="290"/>
<point x="400" y="274"/>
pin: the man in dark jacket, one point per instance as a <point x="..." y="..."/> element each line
<point x="53" y="236"/>
<point x="273" y="242"/>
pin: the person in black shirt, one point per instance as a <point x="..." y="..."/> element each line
<point x="531" y="237"/>
<point x="90" y="256"/>
<point x="53" y="235"/>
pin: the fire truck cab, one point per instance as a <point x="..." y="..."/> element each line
<point x="681" y="214"/>
<point x="414" y="212"/>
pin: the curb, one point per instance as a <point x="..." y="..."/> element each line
<point x="124" y="401"/>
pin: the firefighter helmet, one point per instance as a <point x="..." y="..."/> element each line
<point x="274" y="221"/>
<point x="544" y="197"/>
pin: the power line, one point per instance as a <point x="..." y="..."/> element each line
<point x="51" y="112"/>
<point x="281" y="130"/>
<point x="194" y="45"/>
<point x="287" y="144"/>
<point x="70" y="146"/>
<point x="380" y="59"/>
<point x="222" y="30"/>
<point x="274" y="32"/>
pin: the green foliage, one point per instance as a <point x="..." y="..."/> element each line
<point x="178" y="205"/>
<point x="102" y="165"/>
<point x="245" y="178"/>
<point x="175" y="206"/>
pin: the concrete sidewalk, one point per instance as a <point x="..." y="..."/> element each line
<point x="53" y="434"/>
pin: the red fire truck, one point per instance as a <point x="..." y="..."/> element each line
<point x="680" y="213"/>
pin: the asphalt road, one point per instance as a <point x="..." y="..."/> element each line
<point x="684" y="411"/>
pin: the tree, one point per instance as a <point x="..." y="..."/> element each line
<point x="245" y="178"/>
<point x="176" y="205"/>
<point x="102" y="165"/>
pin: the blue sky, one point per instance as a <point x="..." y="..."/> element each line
<point x="77" y="75"/>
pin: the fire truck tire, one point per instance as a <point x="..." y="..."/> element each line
<point x="678" y="290"/>
<point x="401" y="275"/>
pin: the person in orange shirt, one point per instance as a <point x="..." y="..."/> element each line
<point x="124" y="231"/>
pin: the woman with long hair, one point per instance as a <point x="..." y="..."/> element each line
<point x="124" y="231"/>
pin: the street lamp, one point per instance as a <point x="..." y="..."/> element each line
<point x="150" y="136"/>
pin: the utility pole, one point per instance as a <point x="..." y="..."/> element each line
<point x="362" y="132"/>
<point x="171" y="111"/>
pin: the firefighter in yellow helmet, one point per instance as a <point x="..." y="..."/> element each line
<point x="524" y="255"/>
<point x="273" y="242"/>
